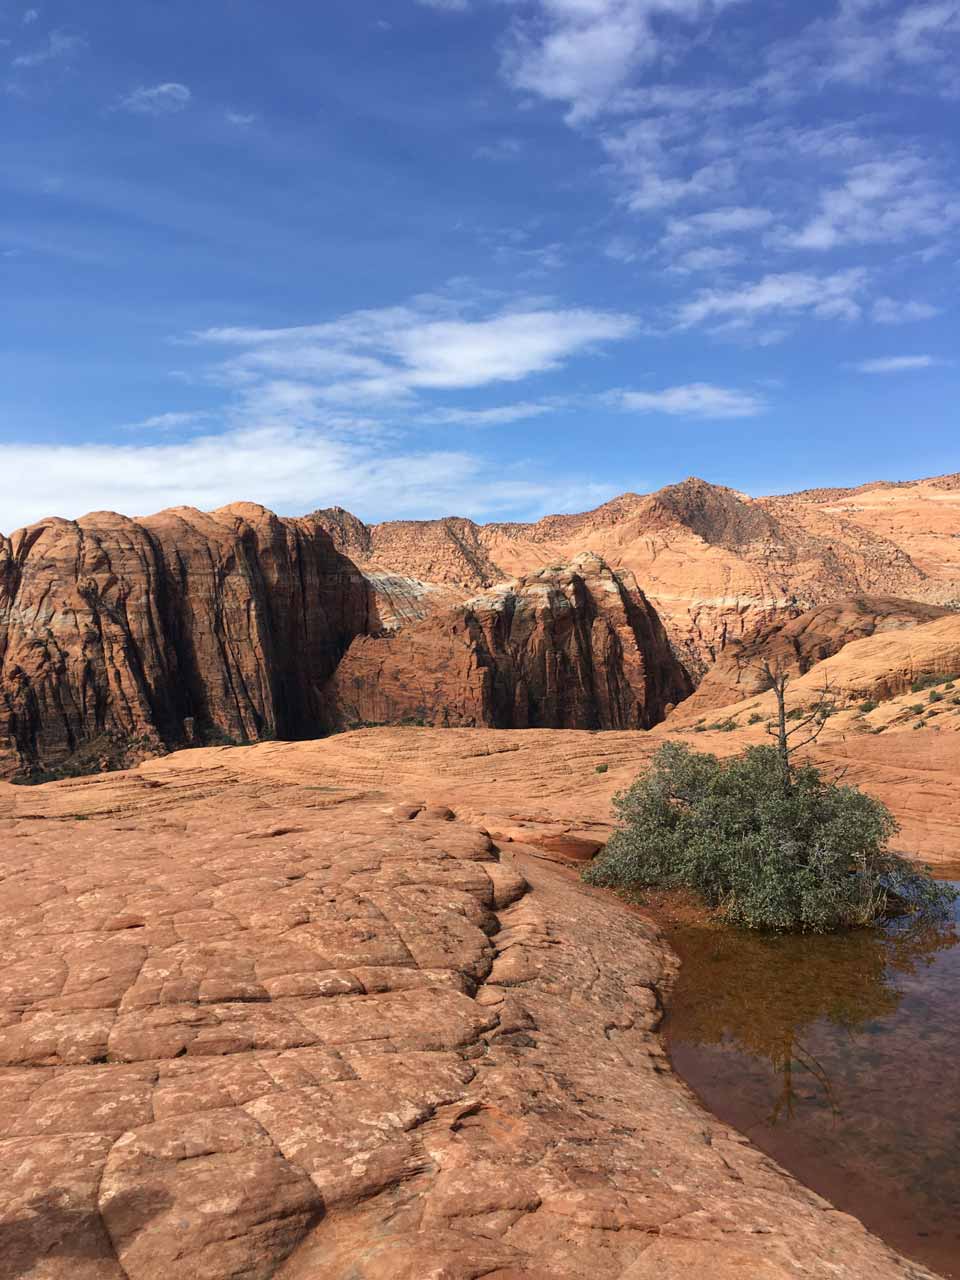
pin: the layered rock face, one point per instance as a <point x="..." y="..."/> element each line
<point x="576" y="647"/>
<point x="122" y="636"/>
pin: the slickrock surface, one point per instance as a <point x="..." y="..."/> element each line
<point x="577" y="647"/>
<point x="119" y="636"/>
<point x="252" y="1025"/>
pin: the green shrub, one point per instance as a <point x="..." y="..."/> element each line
<point x="603" y="768"/>
<point x="809" y="857"/>
<point x="868" y="706"/>
<point x="935" y="697"/>
<point x="796" y="714"/>
<point x="917" y="708"/>
<point x="756" y="718"/>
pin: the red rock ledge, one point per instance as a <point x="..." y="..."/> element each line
<point x="255" y="1029"/>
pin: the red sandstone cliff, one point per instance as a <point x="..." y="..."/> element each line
<point x="119" y="637"/>
<point x="577" y="647"/>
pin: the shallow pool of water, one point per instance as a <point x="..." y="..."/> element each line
<point x="840" y="1057"/>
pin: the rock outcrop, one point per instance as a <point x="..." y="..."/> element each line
<point x="798" y="644"/>
<point x="258" y="1026"/>
<point x="574" y="647"/>
<point x="121" y="637"/>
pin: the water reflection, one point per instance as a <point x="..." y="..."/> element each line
<point x="840" y="1056"/>
<point x="764" y="994"/>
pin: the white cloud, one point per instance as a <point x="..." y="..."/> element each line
<point x="896" y="364"/>
<point x="832" y="296"/>
<point x="446" y="6"/>
<point x="881" y="200"/>
<point x="158" y="100"/>
<point x="169" y="421"/>
<point x="714" y="222"/>
<point x="390" y="355"/>
<point x="498" y="416"/>
<point x="239" y="118"/>
<point x="696" y="400"/>
<point x="59" y="45"/>
<point x="30" y="16"/>
<point x="289" y="470"/>
<point x="584" y="52"/>
<point x="868" y="43"/>
<point x="502" y="149"/>
<point x="707" y="258"/>
<point x="890" y="311"/>
<point x="652" y="156"/>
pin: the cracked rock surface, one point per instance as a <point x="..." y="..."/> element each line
<point x="252" y="1026"/>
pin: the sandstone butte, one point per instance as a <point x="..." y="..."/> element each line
<point x="341" y="1008"/>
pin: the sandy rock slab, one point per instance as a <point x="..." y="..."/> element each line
<point x="255" y="1027"/>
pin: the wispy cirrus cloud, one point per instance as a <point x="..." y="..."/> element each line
<point x="893" y="199"/>
<point x="392" y="355"/>
<point x="498" y="416"/>
<point x="157" y="100"/>
<point x="172" y="421"/>
<point x="501" y="149"/>
<point x="835" y="296"/>
<point x="866" y="41"/>
<point x="694" y="400"/>
<point x="896" y="364"/>
<point x="891" y="311"/>
<point x="59" y="45"/>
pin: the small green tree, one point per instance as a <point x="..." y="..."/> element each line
<point x="811" y="856"/>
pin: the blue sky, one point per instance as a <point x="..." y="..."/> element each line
<point x="486" y="257"/>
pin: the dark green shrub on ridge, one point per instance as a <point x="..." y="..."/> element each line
<point x="804" y="855"/>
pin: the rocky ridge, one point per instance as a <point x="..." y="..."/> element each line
<point x="715" y="564"/>
<point x="120" y="638"/>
